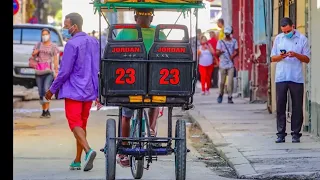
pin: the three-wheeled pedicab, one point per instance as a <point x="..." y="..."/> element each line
<point x="131" y="77"/>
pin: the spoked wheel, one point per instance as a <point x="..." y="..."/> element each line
<point x="137" y="165"/>
<point x="110" y="150"/>
<point x="180" y="150"/>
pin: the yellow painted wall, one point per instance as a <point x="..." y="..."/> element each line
<point x="300" y="27"/>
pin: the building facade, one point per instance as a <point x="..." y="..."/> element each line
<point x="251" y="63"/>
<point x="314" y="16"/>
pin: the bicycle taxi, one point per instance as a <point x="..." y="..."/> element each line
<point x="131" y="77"/>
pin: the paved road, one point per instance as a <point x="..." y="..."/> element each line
<point x="43" y="149"/>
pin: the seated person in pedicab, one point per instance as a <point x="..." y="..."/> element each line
<point x="143" y="17"/>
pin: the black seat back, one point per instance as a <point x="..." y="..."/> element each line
<point x="122" y="70"/>
<point x="171" y="64"/>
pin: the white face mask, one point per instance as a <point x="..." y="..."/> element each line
<point x="45" y="38"/>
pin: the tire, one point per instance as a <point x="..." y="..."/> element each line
<point x="110" y="150"/>
<point x="136" y="166"/>
<point x="180" y="150"/>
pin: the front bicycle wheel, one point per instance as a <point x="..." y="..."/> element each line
<point x="137" y="163"/>
<point x="180" y="150"/>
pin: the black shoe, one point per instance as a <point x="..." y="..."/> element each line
<point x="295" y="139"/>
<point x="280" y="140"/>
<point x="48" y="115"/>
<point x="220" y="98"/>
<point x="230" y="100"/>
<point x="43" y="114"/>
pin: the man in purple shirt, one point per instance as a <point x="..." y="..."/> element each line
<point x="77" y="82"/>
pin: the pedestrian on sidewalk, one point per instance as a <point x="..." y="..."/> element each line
<point x="77" y="83"/>
<point x="220" y="24"/>
<point x="205" y="56"/>
<point x="195" y="46"/>
<point x="290" y="50"/>
<point x="45" y="62"/>
<point x="215" y="73"/>
<point x="227" y="50"/>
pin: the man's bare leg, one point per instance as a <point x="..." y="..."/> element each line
<point x="153" y="116"/>
<point x="80" y="135"/>
<point x="79" y="150"/>
<point x="125" y="126"/>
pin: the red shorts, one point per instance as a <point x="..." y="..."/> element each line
<point x="77" y="113"/>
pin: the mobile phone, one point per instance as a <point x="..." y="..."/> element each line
<point x="283" y="51"/>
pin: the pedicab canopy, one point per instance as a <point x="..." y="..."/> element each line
<point x="114" y="5"/>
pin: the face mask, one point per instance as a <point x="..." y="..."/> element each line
<point x="45" y="38"/>
<point x="203" y="43"/>
<point x="289" y="35"/>
<point x="66" y="33"/>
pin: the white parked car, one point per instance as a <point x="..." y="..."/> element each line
<point x="25" y="36"/>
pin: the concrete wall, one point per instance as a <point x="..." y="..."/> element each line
<point x="315" y="64"/>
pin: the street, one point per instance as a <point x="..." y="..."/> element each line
<point x="44" y="148"/>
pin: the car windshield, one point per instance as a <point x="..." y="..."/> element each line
<point x="32" y="36"/>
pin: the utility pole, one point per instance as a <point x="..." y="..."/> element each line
<point x="269" y="30"/>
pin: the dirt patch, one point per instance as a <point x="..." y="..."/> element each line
<point x="208" y="155"/>
<point x="30" y="123"/>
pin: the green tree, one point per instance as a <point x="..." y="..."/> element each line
<point x="58" y="16"/>
<point x="54" y="7"/>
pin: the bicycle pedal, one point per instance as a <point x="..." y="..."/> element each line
<point x="102" y="150"/>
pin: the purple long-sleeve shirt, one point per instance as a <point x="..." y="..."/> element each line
<point x="78" y="75"/>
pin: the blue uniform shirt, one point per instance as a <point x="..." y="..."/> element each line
<point x="290" y="68"/>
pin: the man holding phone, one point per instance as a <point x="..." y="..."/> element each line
<point x="290" y="50"/>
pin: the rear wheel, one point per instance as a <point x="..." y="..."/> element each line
<point x="180" y="150"/>
<point x="110" y="150"/>
<point x="137" y="165"/>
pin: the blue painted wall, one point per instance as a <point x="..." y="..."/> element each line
<point x="259" y="23"/>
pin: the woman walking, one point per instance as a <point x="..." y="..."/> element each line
<point x="206" y="56"/>
<point x="45" y="62"/>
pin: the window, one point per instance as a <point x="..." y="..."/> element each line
<point x="175" y="34"/>
<point x="55" y="38"/>
<point x="16" y="36"/>
<point x="31" y="36"/>
<point x="215" y="13"/>
<point x="293" y="11"/>
<point x="281" y="13"/>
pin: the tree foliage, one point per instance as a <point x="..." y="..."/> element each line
<point x="58" y="16"/>
<point x="54" y="7"/>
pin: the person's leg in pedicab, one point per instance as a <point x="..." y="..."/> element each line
<point x="127" y="114"/>
<point x="153" y="116"/>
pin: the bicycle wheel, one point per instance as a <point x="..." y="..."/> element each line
<point x="180" y="150"/>
<point x="110" y="150"/>
<point x="137" y="165"/>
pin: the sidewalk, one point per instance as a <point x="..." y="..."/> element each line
<point x="244" y="135"/>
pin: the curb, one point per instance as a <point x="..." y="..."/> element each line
<point x="235" y="159"/>
<point x="230" y="154"/>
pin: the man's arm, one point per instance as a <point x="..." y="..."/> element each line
<point x="66" y="67"/>
<point x="305" y="54"/>
<point x="219" y="51"/>
<point x="275" y="57"/>
<point x="236" y="50"/>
